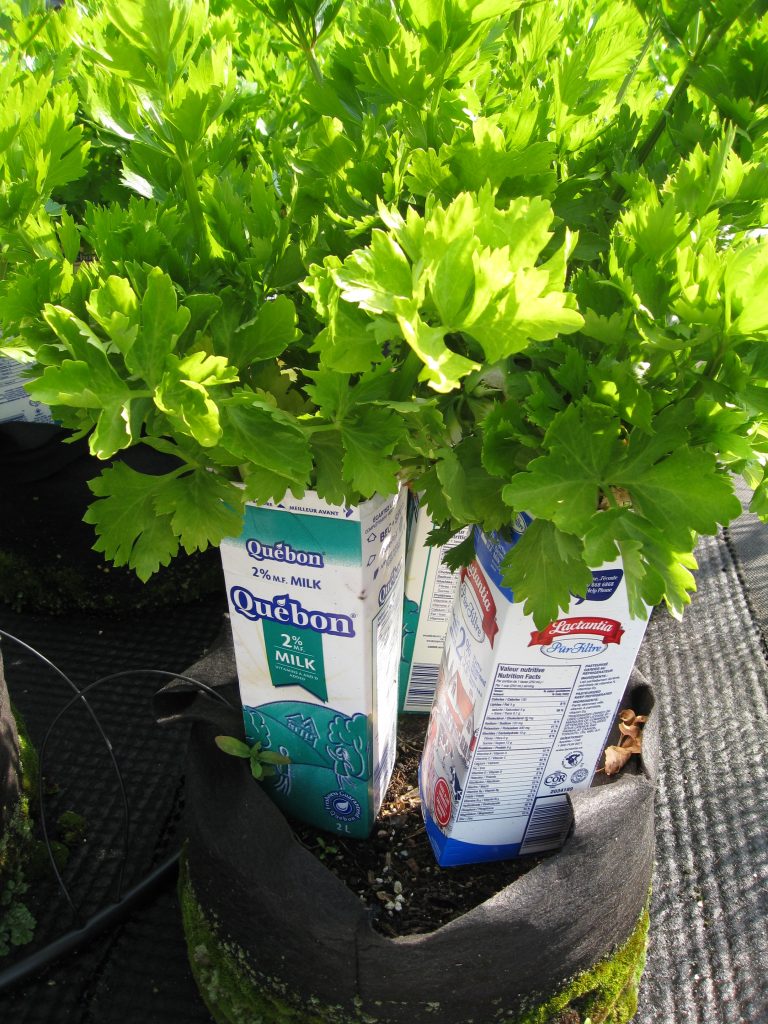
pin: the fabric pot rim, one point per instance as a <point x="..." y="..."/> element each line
<point x="315" y="938"/>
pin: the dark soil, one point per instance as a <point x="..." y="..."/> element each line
<point x="47" y="561"/>
<point x="394" y="872"/>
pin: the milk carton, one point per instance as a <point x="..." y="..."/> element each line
<point x="315" y="597"/>
<point x="521" y="715"/>
<point x="15" y="403"/>
<point x="430" y="588"/>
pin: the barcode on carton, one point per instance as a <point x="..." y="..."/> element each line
<point x="421" y="687"/>
<point x="548" y="825"/>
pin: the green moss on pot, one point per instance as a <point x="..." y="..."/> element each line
<point x="235" y="994"/>
<point x="29" y="763"/>
<point x="17" y="924"/>
<point x="606" y="994"/>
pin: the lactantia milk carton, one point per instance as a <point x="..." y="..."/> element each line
<point x="521" y="716"/>
<point x="315" y="598"/>
<point x="430" y="588"/>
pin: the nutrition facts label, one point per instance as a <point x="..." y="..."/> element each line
<point x="522" y="720"/>
<point x="444" y="587"/>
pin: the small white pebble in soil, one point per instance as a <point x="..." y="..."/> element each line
<point x="398" y="887"/>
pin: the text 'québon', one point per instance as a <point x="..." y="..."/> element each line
<point x="283" y="552"/>
<point x="285" y="610"/>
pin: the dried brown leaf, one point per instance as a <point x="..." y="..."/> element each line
<point x="629" y="730"/>
<point x="615" y="759"/>
<point x="628" y="716"/>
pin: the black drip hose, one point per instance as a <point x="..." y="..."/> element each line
<point x="107" y="917"/>
<point x="114" y="913"/>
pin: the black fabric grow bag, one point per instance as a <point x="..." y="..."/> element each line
<point x="304" y="934"/>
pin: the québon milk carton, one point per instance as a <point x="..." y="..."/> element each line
<point x="315" y="598"/>
<point x="430" y="588"/>
<point x="521" y="716"/>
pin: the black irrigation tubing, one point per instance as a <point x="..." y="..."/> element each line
<point x="107" y="917"/>
<point x="116" y="912"/>
<point x="80" y="695"/>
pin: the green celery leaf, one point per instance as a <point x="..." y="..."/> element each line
<point x="205" y="369"/>
<point x="453" y="282"/>
<point x="69" y="237"/>
<point x="508" y="440"/>
<point x="461" y="554"/>
<point x="724" y="432"/>
<point x="525" y="313"/>
<point x="369" y="435"/>
<point x="130" y="532"/>
<point x="544" y="569"/>
<point x="377" y="277"/>
<point x="330" y="392"/>
<point x="112" y="432"/>
<point x="267" y="335"/>
<point x="655" y="569"/>
<point x="268" y="439"/>
<point x="189" y="407"/>
<point x="681" y="493"/>
<point x="471" y="493"/>
<point x="162" y="325"/>
<point x="328" y="454"/>
<point x="349" y="343"/>
<point x="204" y="509"/>
<point x="443" y="368"/>
<point x="203" y="308"/>
<point x="433" y="498"/>
<point x="759" y="503"/>
<point x="565" y="485"/>
<point x="115" y="308"/>
<point x="425" y="426"/>
<point x="75" y="383"/>
<point x="746" y="284"/>
<point x="76" y="336"/>
<point x="262" y="485"/>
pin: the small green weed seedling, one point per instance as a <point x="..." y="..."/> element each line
<point x="262" y="761"/>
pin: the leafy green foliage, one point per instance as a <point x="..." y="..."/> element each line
<point x="466" y="273"/>
<point x="261" y="762"/>
<point x="512" y="254"/>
